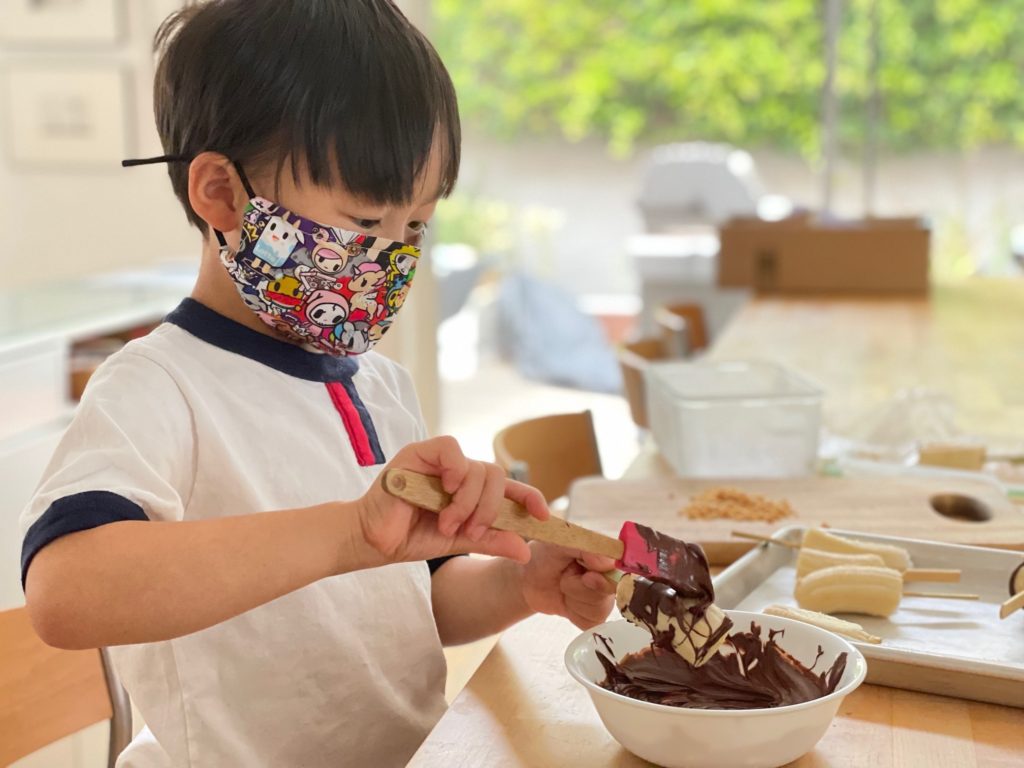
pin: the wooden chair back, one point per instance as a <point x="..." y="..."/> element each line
<point x="633" y="360"/>
<point x="47" y="694"/>
<point x="549" y="452"/>
<point x="683" y="328"/>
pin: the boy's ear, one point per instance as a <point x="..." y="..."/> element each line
<point x="215" y="191"/>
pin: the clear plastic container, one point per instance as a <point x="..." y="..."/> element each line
<point x="734" y="419"/>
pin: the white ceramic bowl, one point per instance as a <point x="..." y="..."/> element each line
<point x="675" y="737"/>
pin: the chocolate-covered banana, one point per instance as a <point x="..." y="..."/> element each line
<point x="694" y="630"/>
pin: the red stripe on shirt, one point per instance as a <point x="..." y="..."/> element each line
<point x="353" y="424"/>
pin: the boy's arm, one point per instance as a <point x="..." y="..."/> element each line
<point x="143" y="581"/>
<point x="474" y="598"/>
<point x="138" y="582"/>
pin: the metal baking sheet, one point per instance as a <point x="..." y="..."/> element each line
<point x="955" y="648"/>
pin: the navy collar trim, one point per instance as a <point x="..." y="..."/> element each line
<point x="220" y="331"/>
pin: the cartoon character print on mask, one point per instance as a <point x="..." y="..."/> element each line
<point x="376" y="331"/>
<point x="327" y="261"/>
<point x="358" y="255"/>
<point x="325" y="309"/>
<point x="275" y="244"/>
<point x="327" y="289"/>
<point x="402" y="263"/>
<point x="354" y="337"/>
<point x="364" y="288"/>
<point x="396" y="296"/>
<point x="283" y="293"/>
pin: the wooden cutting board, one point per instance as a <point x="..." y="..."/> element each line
<point x="889" y="506"/>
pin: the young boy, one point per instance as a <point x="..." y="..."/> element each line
<point x="213" y="510"/>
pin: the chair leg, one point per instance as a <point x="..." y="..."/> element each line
<point x="121" y="720"/>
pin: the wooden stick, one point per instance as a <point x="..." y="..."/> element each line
<point x="946" y="595"/>
<point x="427" y="493"/>
<point x="1015" y="603"/>
<point x="946" y="575"/>
<point x="767" y="539"/>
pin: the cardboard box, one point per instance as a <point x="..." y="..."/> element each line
<point x="804" y="255"/>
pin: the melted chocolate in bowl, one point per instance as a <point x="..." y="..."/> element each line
<point x="750" y="673"/>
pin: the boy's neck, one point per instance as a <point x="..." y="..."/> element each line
<point x="215" y="290"/>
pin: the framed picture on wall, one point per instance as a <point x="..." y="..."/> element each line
<point x="67" y="118"/>
<point x="61" y="21"/>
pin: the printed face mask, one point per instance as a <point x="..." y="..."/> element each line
<point x="327" y="289"/>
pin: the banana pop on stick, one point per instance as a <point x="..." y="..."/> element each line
<point x="821" y="549"/>
<point x="866" y="589"/>
<point x="809" y="560"/>
<point x="893" y="557"/>
<point x="870" y="590"/>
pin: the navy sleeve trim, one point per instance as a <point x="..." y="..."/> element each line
<point x="435" y="563"/>
<point x="71" y="514"/>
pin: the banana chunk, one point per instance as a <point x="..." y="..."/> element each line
<point x="894" y="557"/>
<point x="810" y="560"/>
<point x="656" y="608"/>
<point x="849" y="629"/>
<point x="851" y="589"/>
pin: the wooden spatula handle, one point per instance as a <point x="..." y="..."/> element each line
<point x="427" y="493"/>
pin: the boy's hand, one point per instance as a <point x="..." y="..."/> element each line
<point x="399" y="532"/>
<point x="555" y="582"/>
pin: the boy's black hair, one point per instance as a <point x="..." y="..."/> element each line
<point x="348" y="88"/>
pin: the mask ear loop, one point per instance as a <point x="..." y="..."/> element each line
<point x="248" y="190"/>
<point x="184" y="159"/>
<point x="245" y="182"/>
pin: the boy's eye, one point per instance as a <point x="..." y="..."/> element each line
<point x="417" y="229"/>
<point x="366" y="223"/>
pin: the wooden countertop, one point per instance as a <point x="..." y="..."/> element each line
<point x="522" y="708"/>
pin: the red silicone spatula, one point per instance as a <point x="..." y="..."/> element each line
<point x="638" y="549"/>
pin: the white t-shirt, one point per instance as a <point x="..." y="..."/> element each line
<point x="206" y="418"/>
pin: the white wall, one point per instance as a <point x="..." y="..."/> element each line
<point x="73" y="222"/>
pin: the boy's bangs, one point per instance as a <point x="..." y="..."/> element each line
<point x="375" y="127"/>
<point x="348" y="90"/>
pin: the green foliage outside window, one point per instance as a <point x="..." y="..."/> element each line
<point x="747" y="72"/>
